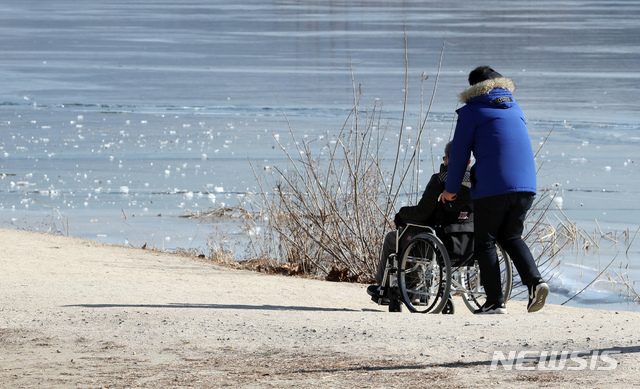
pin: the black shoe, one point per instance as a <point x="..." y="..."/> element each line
<point x="374" y="291"/>
<point x="491" y="309"/>
<point x="538" y="293"/>
<point x="449" y="308"/>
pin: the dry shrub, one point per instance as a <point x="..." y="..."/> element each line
<point x="325" y="212"/>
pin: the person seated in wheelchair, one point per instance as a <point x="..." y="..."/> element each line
<point x="452" y="222"/>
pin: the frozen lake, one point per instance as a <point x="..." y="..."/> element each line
<point x="117" y="118"/>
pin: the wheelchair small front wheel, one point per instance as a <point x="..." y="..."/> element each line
<point x="424" y="274"/>
<point x="395" y="304"/>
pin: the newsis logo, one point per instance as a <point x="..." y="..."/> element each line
<point x="555" y="360"/>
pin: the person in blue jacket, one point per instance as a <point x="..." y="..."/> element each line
<point x="491" y="125"/>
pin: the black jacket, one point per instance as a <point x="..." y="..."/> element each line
<point x="425" y="211"/>
<point x="452" y="221"/>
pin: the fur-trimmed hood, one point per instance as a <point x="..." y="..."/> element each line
<point x="484" y="87"/>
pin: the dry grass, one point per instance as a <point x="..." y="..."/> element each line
<point x="227" y="212"/>
<point x="550" y="242"/>
<point x="620" y="279"/>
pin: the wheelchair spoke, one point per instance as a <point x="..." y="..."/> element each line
<point x="423" y="274"/>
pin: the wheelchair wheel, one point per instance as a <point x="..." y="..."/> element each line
<point x="474" y="296"/>
<point x="424" y="274"/>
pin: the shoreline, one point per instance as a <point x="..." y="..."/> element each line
<point x="81" y="313"/>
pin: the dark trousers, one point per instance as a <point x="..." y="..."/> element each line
<point x="388" y="248"/>
<point x="501" y="219"/>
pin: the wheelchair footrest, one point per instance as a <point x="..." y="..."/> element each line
<point x="374" y="292"/>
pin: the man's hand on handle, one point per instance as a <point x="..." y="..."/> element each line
<point x="446" y="196"/>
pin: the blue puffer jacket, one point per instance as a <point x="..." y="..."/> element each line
<point x="492" y="126"/>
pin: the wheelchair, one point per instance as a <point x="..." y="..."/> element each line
<point x="423" y="276"/>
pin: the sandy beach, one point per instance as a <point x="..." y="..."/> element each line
<point x="77" y="313"/>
